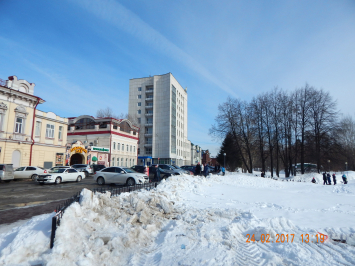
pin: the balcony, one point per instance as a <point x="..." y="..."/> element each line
<point x="148" y="134"/>
<point x="148" y="114"/>
<point x="149" y="98"/>
<point x="148" y="124"/>
<point x="148" y="145"/>
<point x="149" y="107"/>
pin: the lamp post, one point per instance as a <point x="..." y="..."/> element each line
<point x="329" y="166"/>
<point x="224" y="165"/>
<point x="346" y="167"/>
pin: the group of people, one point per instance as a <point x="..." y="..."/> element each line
<point x="327" y="179"/>
<point x="202" y="169"/>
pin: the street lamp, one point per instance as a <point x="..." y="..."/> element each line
<point x="224" y="165"/>
<point x="346" y="166"/>
<point x="329" y="166"/>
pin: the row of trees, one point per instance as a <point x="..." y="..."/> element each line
<point x="280" y="129"/>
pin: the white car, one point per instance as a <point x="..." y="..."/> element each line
<point x="59" y="175"/>
<point x="28" y="172"/>
<point x="120" y="175"/>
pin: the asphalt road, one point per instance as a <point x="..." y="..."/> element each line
<point x="22" y="199"/>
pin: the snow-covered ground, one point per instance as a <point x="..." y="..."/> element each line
<point x="196" y="221"/>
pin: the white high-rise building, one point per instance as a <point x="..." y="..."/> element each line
<point x="159" y="104"/>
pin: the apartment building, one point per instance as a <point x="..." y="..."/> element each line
<point x="159" y="104"/>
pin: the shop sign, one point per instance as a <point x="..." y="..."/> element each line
<point x="78" y="150"/>
<point x="93" y="148"/>
<point x="59" y="159"/>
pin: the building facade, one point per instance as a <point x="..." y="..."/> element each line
<point x="107" y="141"/>
<point x="29" y="137"/>
<point x="159" y="103"/>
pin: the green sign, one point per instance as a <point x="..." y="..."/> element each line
<point x="94" y="159"/>
<point x="93" y="148"/>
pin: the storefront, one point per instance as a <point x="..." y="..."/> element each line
<point x="99" y="155"/>
<point x="78" y="153"/>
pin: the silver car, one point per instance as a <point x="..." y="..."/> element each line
<point x="85" y="168"/>
<point x="120" y="175"/>
<point x="28" y="172"/>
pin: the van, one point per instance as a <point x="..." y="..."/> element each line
<point x="6" y="172"/>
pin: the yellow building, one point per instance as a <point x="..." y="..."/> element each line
<point x="29" y="136"/>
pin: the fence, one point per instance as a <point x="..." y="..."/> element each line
<point x="114" y="192"/>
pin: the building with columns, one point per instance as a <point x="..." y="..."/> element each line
<point x="28" y="136"/>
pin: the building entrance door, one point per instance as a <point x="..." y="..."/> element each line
<point x="16" y="156"/>
<point x="77" y="158"/>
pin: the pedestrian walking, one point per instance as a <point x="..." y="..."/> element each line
<point x="157" y="174"/>
<point x="324" y="178"/>
<point x="198" y="169"/>
<point x="328" y="178"/>
<point x="223" y="171"/>
<point x="344" y="179"/>
<point x="205" y="170"/>
<point x="334" y="179"/>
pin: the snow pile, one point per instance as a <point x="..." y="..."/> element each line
<point x="196" y="221"/>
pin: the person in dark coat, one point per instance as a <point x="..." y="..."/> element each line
<point x="328" y="178"/>
<point x="157" y="174"/>
<point x="344" y="179"/>
<point x="334" y="179"/>
<point x="324" y="178"/>
<point x="262" y="174"/>
<point x="198" y="169"/>
<point x="205" y="170"/>
<point x="314" y="180"/>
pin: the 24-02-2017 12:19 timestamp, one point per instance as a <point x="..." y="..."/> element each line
<point x="288" y="238"/>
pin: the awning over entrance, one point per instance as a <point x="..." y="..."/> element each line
<point x="144" y="157"/>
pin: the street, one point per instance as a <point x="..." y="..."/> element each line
<point x="22" y="199"/>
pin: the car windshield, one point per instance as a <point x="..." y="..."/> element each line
<point x="129" y="170"/>
<point x="57" y="170"/>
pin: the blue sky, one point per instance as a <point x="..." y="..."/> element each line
<point x="81" y="54"/>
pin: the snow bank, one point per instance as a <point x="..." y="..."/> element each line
<point x="195" y="221"/>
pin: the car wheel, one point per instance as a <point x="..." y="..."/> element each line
<point x="58" y="180"/>
<point x="101" y="181"/>
<point x="130" y="182"/>
<point x="86" y="174"/>
<point x="34" y="177"/>
<point x="79" y="178"/>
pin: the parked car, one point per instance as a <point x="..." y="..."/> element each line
<point x="55" y="167"/>
<point x="183" y="170"/>
<point x="85" y="168"/>
<point x="97" y="167"/>
<point x="190" y="168"/>
<point x="138" y="168"/>
<point x="165" y="171"/>
<point x="59" y="175"/>
<point x="6" y="172"/>
<point x="120" y="175"/>
<point x="28" y="172"/>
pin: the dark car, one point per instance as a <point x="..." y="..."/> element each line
<point x="184" y="171"/>
<point x="138" y="168"/>
<point x="164" y="172"/>
<point x="191" y="168"/>
<point x="97" y="167"/>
